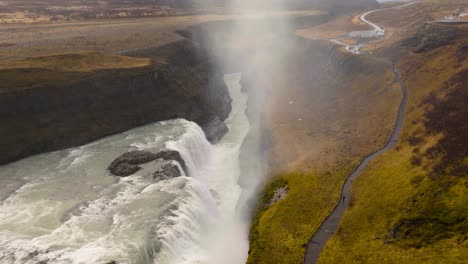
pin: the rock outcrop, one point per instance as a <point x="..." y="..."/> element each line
<point x="432" y="36"/>
<point x="215" y="129"/>
<point x="167" y="171"/>
<point x="172" y="155"/>
<point x="279" y="194"/>
<point x="128" y="163"/>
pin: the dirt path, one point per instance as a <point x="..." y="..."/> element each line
<point x="332" y="222"/>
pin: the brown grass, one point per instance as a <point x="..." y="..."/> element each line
<point x="62" y="69"/>
<point x="321" y="120"/>
<point x="86" y="61"/>
<point x="335" y="28"/>
<point x="329" y="119"/>
<point x="410" y="206"/>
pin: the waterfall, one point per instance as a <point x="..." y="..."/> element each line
<point x="210" y="229"/>
<point x="193" y="147"/>
<point x="64" y="207"/>
<point x="192" y="212"/>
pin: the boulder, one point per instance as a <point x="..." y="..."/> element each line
<point x="123" y="169"/>
<point x="135" y="157"/>
<point x="215" y="129"/>
<point x="167" y="171"/>
<point x="172" y="155"/>
<point x="127" y="163"/>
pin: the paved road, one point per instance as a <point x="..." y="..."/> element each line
<point x="368" y="35"/>
<point x="380" y="31"/>
<point x="332" y="222"/>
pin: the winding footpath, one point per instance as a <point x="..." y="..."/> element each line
<point x="332" y="222"/>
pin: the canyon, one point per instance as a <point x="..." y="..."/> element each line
<point x="174" y="132"/>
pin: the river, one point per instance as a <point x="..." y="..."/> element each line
<point x="64" y="207"/>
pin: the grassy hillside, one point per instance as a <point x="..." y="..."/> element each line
<point x="410" y="205"/>
<point x="280" y="232"/>
<point x="322" y="119"/>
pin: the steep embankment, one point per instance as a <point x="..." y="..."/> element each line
<point x="410" y="206"/>
<point x="53" y="102"/>
<point x="328" y="110"/>
<point x="249" y="47"/>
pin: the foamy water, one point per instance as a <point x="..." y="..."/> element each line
<point x="64" y="207"/>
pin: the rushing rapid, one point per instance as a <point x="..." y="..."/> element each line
<point x="64" y="207"/>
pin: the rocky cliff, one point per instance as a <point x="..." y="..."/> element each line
<point x="431" y="36"/>
<point x="48" y="104"/>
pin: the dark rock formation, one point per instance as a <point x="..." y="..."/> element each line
<point x="127" y="164"/>
<point x="56" y="115"/>
<point x="172" y="155"/>
<point x="123" y="169"/>
<point x="135" y="157"/>
<point x="432" y="36"/>
<point x="462" y="53"/>
<point x="215" y="129"/>
<point x="167" y="171"/>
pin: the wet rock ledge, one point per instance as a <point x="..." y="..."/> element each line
<point x="128" y="163"/>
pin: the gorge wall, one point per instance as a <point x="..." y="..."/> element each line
<point x="51" y="114"/>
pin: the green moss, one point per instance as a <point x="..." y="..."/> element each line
<point x="280" y="232"/>
<point x="410" y="204"/>
<point x="394" y="221"/>
<point x="262" y="207"/>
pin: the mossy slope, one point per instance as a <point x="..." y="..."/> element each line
<point x="339" y="112"/>
<point x="280" y="231"/>
<point x="410" y="205"/>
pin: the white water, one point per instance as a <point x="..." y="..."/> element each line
<point x="63" y="207"/>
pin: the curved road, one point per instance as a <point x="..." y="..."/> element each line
<point x="376" y="32"/>
<point x="332" y="222"/>
<point x="379" y="30"/>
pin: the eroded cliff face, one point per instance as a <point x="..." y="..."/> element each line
<point x="431" y="36"/>
<point x="181" y="82"/>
